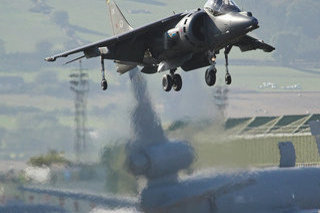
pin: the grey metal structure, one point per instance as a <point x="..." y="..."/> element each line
<point x="189" y="40"/>
<point x="80" y="86"/>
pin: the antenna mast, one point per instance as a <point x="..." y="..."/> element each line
<point x="79" y="85"/>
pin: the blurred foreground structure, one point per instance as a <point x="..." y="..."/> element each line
<point x="237" y="147"/>
<point x="213" y="190"/>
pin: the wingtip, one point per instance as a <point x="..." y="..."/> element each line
<point x="50" y="59"/>
<point x="271" y="49"/>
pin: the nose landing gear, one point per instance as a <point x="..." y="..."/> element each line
<point x="211" y="72"/>
<point x="228" y="78"/>
<point x="211" y="77"/>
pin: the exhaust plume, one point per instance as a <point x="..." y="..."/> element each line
<point x="145" y="123"/>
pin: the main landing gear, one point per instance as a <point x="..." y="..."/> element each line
<point x="172" y="80"/>
<point x="104" y="83"/>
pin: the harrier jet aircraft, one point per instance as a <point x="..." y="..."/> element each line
<point x="189" y="40"/>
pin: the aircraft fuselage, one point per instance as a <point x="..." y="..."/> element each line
<point x="189" y="40"/>
<point x="198" y="32"/>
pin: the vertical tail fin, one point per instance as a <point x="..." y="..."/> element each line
<point x="118" y="21"/>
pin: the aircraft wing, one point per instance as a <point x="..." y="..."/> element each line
<point x="129" y="46"/>
<point x="248" y="43"/>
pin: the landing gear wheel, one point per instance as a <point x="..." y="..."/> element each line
<point x="167" y="82"/>
<point x="228" y="79"/>
<point x="104" y="84"/>
<point x="210" y="76"/>
<point x="177" y="82"/>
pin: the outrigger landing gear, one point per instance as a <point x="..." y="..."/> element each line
<point x="104" y="83"/>
<point x="211" y="72"/>
<point x="228" y="78"/>
<point x="172" y="80"/>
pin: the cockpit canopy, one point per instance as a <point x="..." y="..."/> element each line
<point x="218" y="7"/>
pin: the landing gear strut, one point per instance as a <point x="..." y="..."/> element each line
<point x="172" y="80"/>
<point x="104" y="83"/>
<point x="228" y="78"/>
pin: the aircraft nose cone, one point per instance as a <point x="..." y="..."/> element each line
<point x="243" y="22"/>
<point x="250" y="23"/>
<point x="254" y="21"/>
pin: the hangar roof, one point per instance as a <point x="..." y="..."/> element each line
<point x="272" y="125"/>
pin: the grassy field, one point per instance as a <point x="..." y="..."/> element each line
<point x="253" y="76"/>
<point x="94" y="122"/>
<point x="249" y="77"/>
<point x="245" y="77"/>
<point x="254" y="152"/>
